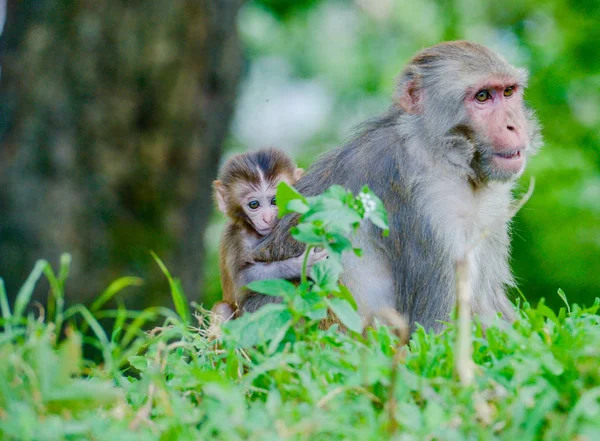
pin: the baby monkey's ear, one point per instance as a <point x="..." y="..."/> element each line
<point x="220" y="194"/>
<point x="297" y="173"/>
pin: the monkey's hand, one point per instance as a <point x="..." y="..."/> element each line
<point x="315" y="255"/>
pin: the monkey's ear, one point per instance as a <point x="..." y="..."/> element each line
<point x="220" y="196"/>
<point x="410" y="97"/>
<point x="297" y="173"/>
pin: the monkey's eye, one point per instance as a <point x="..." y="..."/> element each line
<point x="273" y="201"/>
<point x="254" y="204"/>
<point x="483" y="95"/>
<point x="509" y="91"/>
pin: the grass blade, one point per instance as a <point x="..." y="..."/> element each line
<point x="179" y="299"/>
<point x="563" y="296"/>
<point x="65" y="266"/>
<point x="56" y="302"/>
<point x="26" y="291"/>
<point x="113" y="289"/>
<point x="148" y="314"/>
<point x="96" y="328"/>
<point x="4" y="306"/>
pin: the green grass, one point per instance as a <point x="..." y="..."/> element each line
<point x="536" y="379"/>
<point x="276" y="375"/>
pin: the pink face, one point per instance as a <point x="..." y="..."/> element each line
<point x="260" y="207"/>
<point x="496" y="109"/>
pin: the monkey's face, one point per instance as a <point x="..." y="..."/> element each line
<point x="261" y="209"/>
<point x="502" y="129"/>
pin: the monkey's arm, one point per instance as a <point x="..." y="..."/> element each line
<point x="284" y="269"/>
<point x="250" y="301"/>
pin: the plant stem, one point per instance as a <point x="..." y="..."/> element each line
<point x="305" y="263"/>
<point x="464" y="345"/>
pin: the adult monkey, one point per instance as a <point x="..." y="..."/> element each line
<point x="444" y="160"/>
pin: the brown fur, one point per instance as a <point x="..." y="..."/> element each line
<point x="248" y="170"/>
<point x="239" y="238"/>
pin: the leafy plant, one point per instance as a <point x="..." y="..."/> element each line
<point x="325" y="221"/>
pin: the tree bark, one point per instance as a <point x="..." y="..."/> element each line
<point x="113" y="115"/>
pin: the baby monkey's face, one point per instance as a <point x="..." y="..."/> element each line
<point x="258" y="201"/>
<point x="261" y="209"/>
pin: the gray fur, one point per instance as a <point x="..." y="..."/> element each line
<point x="431" y="170"/>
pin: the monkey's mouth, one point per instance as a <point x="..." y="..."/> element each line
<point x="510" y="160"/>
<point x="514" y="154"/>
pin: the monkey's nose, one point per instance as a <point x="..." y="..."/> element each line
<point x="511" y="128"/>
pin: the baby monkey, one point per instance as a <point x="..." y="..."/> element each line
<point x="245" y="193"/>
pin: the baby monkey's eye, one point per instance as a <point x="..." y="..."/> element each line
<point x="253" y="204"/>
<point x="273" y="201"/>
<point x="483" y="95"/>
<point x="509" y="91"/>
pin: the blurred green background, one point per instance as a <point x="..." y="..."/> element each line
<point x="150" y="90"/>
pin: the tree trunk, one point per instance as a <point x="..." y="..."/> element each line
<point x="113" y="115"/>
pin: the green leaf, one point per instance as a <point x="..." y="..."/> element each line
<point x="95" y="326"/>
<point x="233" y="365"/>
<point x="113" y="289"/>
<point x="338" y="242"/>
<point x="544" y="311"/>
<point x="297" y="206"/>
<point x="6" y="315"/>
<point x="259" y="327"/>
<point x="93" y="323"/>
<point x="323" y="203"/>
<point x="551" y="364"/>
<point x="326" y="274"/>
<point x="70" y="355"/>
<point x="346" y="314"/>
<point x="149" y="314"/>
<point x="308" y="233"/>
<point x="65" y="267"/>
<point x="273" y="287"/>
<point x="26" y="291"/>
<point x="310" y="305"/>
<point x="284" y="195"/>
<point x="179" y="299"/>
<point x="83" y="393"/>
<point x="138" y="362"/>
<point x="594" y="308"/>
<point x="379" y="219"/>
<point x="334" y="214"/>
<point x="563" y="296"/>
<point x="277" y="338"/>
<point x="378" y="215"/>
<point x="345" y="294"/>
<point x="336" y="192"/>
<point x="56" y="301"/>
